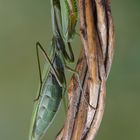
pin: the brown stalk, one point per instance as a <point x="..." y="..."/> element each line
<point x="94" y="60"/>
<point x="97" y="36"/>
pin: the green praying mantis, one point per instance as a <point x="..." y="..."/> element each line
<point x="53" y="83"/>
<point x="51" y="91"/>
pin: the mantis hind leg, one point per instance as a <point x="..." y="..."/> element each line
<point x="40" y="73"/>
<point x="39" y="46"/>
<point x="80" y="85"/>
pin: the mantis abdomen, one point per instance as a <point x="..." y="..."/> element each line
<point x="48" y="106"/>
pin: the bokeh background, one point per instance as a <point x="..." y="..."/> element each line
<point x="22" y="23"/>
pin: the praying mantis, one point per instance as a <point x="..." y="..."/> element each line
<point x="53" y="83"/>
<point x="51" y="91"/>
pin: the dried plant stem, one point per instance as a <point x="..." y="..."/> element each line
<point x="95" y="66"/>
<point x="86" y="108"/>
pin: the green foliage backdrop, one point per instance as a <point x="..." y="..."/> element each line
<point x="22" y="23"/>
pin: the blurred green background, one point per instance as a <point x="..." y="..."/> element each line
<point x="22" y="23"/>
